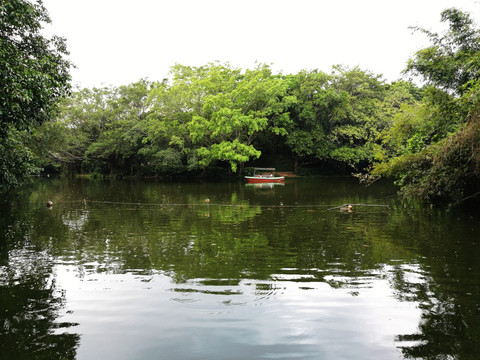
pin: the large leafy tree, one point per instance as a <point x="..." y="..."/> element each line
<point x="167" y="147"/>
<point x="232" y="116"/>
<point x="438" y="140"/>
<point x="355" y="134"/>
<point x="318" y="106"/>
<point x="121" y="138"/>
<point x="34" y="75"/>
<point x="337" y="116"/>
<point x="452" y="61"/>
<point x="96" y="130"/>
<point x="81" y="120"/>
<point x="213" y="113"/>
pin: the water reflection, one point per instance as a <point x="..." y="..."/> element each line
<point x="31" y="305"/>
<point x="75" y="220"/>
<point x="31" y="302"/>
<point x="264" y="186"/>
<point x="138" y="268"/>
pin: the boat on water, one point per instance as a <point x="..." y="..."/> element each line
<point x="264" y="175"/>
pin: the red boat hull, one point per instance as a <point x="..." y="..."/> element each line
<point x="259" y="179"/>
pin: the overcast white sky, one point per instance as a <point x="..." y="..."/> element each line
<point x="116" y="42"/>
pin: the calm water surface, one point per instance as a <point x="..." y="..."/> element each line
<point x="148" y="270"/>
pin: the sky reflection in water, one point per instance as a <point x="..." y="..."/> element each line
<point x="275" y="319"/>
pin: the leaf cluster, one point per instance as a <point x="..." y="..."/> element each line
<point x="34" y="70"/>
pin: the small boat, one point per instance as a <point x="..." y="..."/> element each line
<point x="264" y="175"/>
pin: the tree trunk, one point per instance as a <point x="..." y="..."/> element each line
<point x="296" y="163"/>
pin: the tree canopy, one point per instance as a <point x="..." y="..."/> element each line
<point x="218" y="115"/>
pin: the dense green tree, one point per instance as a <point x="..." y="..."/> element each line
<point x="168" y="146"/>
<point x="232" y="116"/>
<point x="354" y="136"/>
<point x="452" y="62"/>
<point x="16" y="159"/>
<point x="97" y="130"/>
<point x="317" y="108"/>
<point x="120" y="140"/>
<point x="339" y="116"/>
<point x="212" y="114"/>
<point x="35" y="75"/>
<point x="438" y="139"/>
<point x="82" y="118"/>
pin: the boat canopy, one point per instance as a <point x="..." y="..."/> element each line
<point x="265" y="169"/>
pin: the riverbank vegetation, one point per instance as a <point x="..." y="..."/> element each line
<point x="432" y="148"/>
<point x="221" y="116"/>
<point x="219" y="119"/>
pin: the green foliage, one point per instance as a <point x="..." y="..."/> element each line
<point x="98" y="130"/>
<point x="452" y="62"/>
<point x="219" y="115"/>
<point x="122" y="136"/>
<point x="314" y="107"/>
<point x="446" y="171"/>
<point x="236" y="108"/>
<point x="34" y="76"/>
<point x="82" y="119"/>
<point x="34" y="72"/>
<point x="233" y="151"/>
<point x="338" y="116"/>
<point x="213" y="113"/>
<point x="431" y="149"/>
<point x="165" y="162"/>
<point x="16" y="160"/>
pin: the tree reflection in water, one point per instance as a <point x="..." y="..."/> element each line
<point x="446" y="285"/>
<point x="30" y="302"/>
<point x="449" y="327"/>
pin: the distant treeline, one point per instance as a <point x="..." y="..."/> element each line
<point x="219" y="116"/>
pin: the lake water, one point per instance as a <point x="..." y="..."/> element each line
<point x="224" y="270"/>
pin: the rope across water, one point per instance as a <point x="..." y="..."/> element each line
<point x="210" y="204"/>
